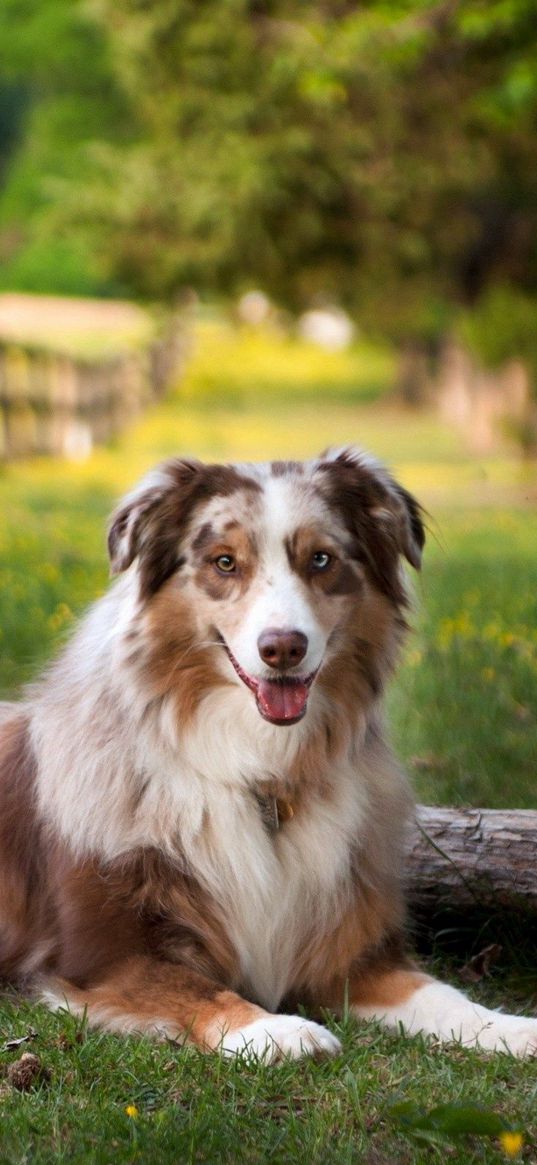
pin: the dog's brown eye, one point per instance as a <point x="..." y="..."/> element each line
<point x="320" y="560"/>
<point x="225" y="563"/>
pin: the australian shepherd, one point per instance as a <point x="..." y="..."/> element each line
<point x="201" y="822"/>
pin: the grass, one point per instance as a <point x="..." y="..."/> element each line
<point x="190" y="1108"/>
<point x="276" y="367"/>
<point x="464" y="703"/>
<point x="463" y="715"/>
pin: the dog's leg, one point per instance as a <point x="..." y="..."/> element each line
<point x="408" y="999"/>
<point x="168" y="1000"/>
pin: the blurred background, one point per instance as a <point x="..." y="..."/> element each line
<point x="252" y="228"/>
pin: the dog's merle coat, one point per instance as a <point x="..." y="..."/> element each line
<point x="200" y="820"/>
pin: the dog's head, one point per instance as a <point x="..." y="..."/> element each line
<point x="267" y="567"/>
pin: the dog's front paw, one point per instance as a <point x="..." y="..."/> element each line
<point x="439" y="1010"/>
<point x="280" y="1037"/>
<point x="516" y="1034"/>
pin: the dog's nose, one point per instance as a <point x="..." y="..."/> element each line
<point x="282" y="649"/>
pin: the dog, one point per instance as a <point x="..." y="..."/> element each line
<point x="201" y="823"/>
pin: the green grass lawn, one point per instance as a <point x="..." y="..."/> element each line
<point x="463" y="710"/>
<point x="464" y="703"/>
<point x="191" y="1108"/>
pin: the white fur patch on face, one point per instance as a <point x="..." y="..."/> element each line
<point x="440" y="1010"/>
<point x="279" y="1037"/>
<point x="279" y="599"/>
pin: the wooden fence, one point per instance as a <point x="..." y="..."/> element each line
<point x="52" y="402"/>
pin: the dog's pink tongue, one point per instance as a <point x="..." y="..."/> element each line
<point x="282" y="700"/>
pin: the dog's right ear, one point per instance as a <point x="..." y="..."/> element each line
<point x="137" y="516"/>
<point x="125" y="534"/>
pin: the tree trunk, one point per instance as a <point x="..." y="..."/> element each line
<point x="472" y="858"/>
<point x="413" y="380"/>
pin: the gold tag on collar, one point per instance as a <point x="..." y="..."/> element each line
<point x="275" y="811"/>
<point x="284" y="810"/>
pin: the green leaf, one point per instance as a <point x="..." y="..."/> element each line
<point x="465" y="1119"/>
<point x="449" y="1120"/>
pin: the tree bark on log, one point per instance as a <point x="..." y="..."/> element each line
<point x="472" y="858"/>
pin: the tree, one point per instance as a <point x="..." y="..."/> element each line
<point x="384" y="154"/>
<point x="58" y="93"/>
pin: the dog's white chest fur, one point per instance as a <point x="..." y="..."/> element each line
<point x="199" y="803"/>
<point x="273" y="886"/>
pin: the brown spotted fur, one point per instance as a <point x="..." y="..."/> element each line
<point x="139" y="936"/>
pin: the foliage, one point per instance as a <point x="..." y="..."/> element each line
<point x="58" y="94"/>
<point x="447" y="1122"/>
<point x="381" y="154"/>
<point x="502" y="324"/>
<point x="342" y="151"/>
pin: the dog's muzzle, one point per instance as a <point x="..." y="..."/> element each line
<point x="281" y="699"/>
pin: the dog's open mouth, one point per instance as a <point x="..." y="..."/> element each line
<point x="282" y="700"/>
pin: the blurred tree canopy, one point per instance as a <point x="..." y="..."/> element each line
<point x="381" y="154"/>
<point x="58" y="94"/>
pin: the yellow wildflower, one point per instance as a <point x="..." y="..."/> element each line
<point x="62" y="614"/>
<point x="48" y="571"/>
<point x="132" y="1111"/>
<point x="511" y="1143"/>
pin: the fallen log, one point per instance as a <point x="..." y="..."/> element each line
<point x="472" y="859"/>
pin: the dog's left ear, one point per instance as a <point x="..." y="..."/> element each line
<point x="410" y="524"/>
<point x="366" y="488"/>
